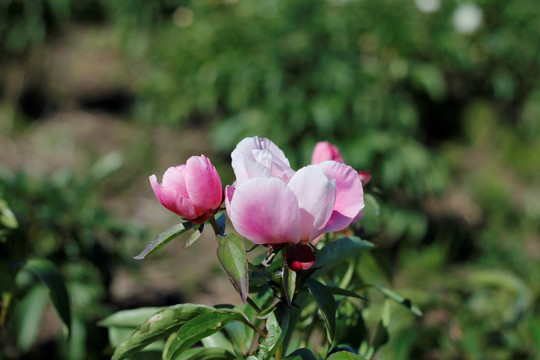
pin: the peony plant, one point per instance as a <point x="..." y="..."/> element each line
<point x="302" y="298"/>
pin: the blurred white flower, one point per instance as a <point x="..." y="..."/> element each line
<point x="467" y="18"/>
<point x="427" y="6"/>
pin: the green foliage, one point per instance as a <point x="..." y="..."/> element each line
<point x="63" y="238"/>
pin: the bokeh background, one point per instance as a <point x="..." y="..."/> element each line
<point x="438" y="99"/>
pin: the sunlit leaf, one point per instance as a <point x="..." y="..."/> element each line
<point x="196" y="329"/>
<point x="158" y="326"/>
<point x="327" y="304"/>
<point x="129" y="318"/>
<point x="165" y="322"/>
<point x="232" y="256"/>
<point x="49" y="275"/>
<point x="164" y="238"/>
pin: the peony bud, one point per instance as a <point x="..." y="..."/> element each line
<point x="325" y="151"/>
<point x="192" y="191"/>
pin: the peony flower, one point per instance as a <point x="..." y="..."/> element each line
<point x="325" y="151"/>
<point x="259" y="157"/>
<point x="271" y="204"/>
<point x="192" y="191"/>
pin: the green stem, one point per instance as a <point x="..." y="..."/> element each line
<point x="253" y="305"/>
<point x="279" y="353"/>
<point x="215" y="225"/>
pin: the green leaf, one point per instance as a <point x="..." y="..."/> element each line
<point x="399" y="299"/>
<point x="165" y="322"/>
<point x="344" y="292"/>
<point x="196" y="329"/>
<point x="158" y="326"/>
<point x="336" y="252"/>
<point x="129" y="318"/>
<point x="275" y="335"/>
<point x="232" y="256"/>
<point x="204" y="353"/>
<point x="327" y="304"/>
<point x="164" y="238"/>
<point x="345" y="355"/>
<point x="381" y="334"/>
<point x="7" y="218"/>
<point x="240" y="335"/>
<point x="289" y="282"/>
<point x="49" y="275"/>
<point x="29" y="313"/>
<point x="195" y="236"/>
<point x="219" y="340"/>
<point x="301" y="354"/>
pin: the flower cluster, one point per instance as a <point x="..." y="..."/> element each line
<point x="269" y="203"/>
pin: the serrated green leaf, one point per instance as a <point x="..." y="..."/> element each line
<point x="49" y="275"/>
<point x="336" y="252"/>
<point x="164" y="238"/>
<point x="345" y="355"/>
<point x="232" y="256"/>
<point x="196" y="329"/>
<point x="399" y="299"/>
<point x="129" y="318"/>
<point x="288" y="283"/>
<point x="327" y="304"/>
<point x="301" y="354"/>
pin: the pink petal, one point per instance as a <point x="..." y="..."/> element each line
<point x="202" y="184"/>
<point x="256" y="157"/>
<point x="349" y="195"/>
<point x="325" y="151"/>
<point x="169" y="198"/>
<point x="265" y="211"/>
<point x="316" y="195"/>
<point x="174" y="178"/>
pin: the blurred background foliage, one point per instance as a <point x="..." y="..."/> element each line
<point x="439" y="100"/>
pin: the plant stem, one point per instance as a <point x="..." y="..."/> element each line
<point x="215" y="225"/>
<point x="253" y="305"/>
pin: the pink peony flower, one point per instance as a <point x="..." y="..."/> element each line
<point x="325" y="151"/>
<point x="192" y="191"/>
<point x="272" y="204"/>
